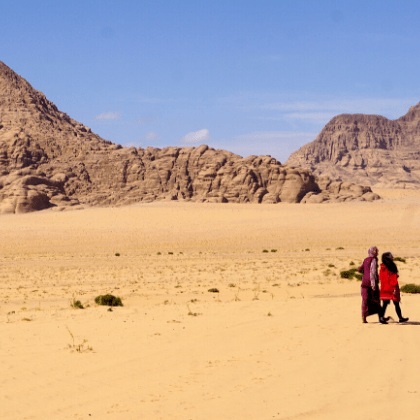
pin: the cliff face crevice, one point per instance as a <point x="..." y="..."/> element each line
<point x="49" y="160"/>
<point x="366" y="149"/>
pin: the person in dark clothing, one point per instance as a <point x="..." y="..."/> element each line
<point x="370" y="287"/>
<point x="390" y="290"/>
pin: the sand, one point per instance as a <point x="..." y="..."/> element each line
<point x="282" y="339"/>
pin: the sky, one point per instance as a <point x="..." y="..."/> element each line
<point x="252" y="77"/>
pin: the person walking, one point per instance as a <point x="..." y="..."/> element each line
<point x="370" y="287"/>
<point x="390" y="290"/>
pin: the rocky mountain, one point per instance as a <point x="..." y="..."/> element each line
<point x="49" y="160"/>
<point x="367" y="149"/>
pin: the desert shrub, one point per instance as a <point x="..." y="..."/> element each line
<point x="265" y="250"/>
<point x="340" y="247"/>
<point x="232" y="285"/>
<point x="352" y="263"/>
<point x="350" y="274"/>
<point x="213" y="290"/>
<point x="403" y="260"/>
<point x="117" y="254"/>
<point x="170" y="253"/>
<point x="159" y="253"/>
<point x="410" y="288"/>
<point x="76" y="304"/>
<point x="307" y="249"/>
<point x="108" y="300"/>
<point x="274" y="250"/>
<point x="331" y="265"/>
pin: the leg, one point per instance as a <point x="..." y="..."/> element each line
<point x="398" y="311"/>
<point x="364" y="304"/>
<point x="386" y="303"/>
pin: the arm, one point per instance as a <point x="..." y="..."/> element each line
<point x="373" y="274"/>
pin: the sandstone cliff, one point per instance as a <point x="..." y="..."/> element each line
<point x="49" y="160"/>
<point x="366" y="149"/>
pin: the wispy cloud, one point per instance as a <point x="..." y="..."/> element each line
<point x="151" y="136"/>
<point x="146" y="120"/>
<point x="279" y="144"/>
<point x="108" y="116"/>
<point x="194" y="137"/>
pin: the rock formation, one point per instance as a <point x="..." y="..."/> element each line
<point x="366" y="149"/>
<point x="49" y="160"/>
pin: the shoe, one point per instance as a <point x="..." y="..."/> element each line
<point x="403" y="320"/>
<point x="364" y="320"/>
<point x="387" y="318"/>
<point x="383" y="321"/>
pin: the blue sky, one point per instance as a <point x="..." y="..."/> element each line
<point x="252" y="77"/>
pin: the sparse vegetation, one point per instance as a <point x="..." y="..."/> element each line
<point x="159" y="253"/>
<point x="76" y="304"/>
<point x="170" y="253"/>
<point x="307" y="249"/>
<point x="117" y="254"/>
<point x="340" y="247"/>
<point x="26" y="319"/>
<point x="108" y="300"/>
<point x="351" y="263"/>
<point x="213" y="290"/>
<point x="403" y="260"/>
<point x="332" y="265"/>
<point x="232" y="285"/>
<point x="350" y="274"/>
<point x="80" y="348"/>
<point x="410" y="288"/>
<point x="274" y="250"/>
<point x="265" y="250"/>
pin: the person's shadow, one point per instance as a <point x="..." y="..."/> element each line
<point x="393" y="321"/>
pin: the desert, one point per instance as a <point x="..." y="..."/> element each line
<point x="282" y="339"/>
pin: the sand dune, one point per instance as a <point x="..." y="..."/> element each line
<point x="282" y="339"/>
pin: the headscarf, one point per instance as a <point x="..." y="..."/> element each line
<point x="387" y="260"/>
<point x="373" y="251"/>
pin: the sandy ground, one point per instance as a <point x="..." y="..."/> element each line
<point x="282" y="339"/>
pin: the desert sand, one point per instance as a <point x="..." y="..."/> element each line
<point x="282" y="339"/>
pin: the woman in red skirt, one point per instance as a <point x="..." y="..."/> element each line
<point x="388" y="276"/>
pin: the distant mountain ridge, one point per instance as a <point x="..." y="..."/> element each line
<point x="367" y="149"/>
<point x="49" y="160"/>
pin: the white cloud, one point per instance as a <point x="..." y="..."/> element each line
<point x="151" y="136"/>
<point x="200" y="136"/>
<point x="108" y="116"/>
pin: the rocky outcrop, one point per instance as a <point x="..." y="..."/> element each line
<point x="49" y="160"/>
<point x="366" y="149"/>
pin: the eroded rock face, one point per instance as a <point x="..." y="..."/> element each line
<point x="48" y="160"/>
<point x="366" y="149"/>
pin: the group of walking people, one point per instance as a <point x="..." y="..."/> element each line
<point x="389" y="290"/>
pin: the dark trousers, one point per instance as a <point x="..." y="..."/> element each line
<point x="397" y="308"/>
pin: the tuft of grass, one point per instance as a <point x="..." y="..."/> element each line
<point x="307" y="249"/>
<point x="269" y="314"/>
<point x="340" y="247"/>
<point x="80" y="348"/>
<point x="213" y="290"/>
<point x="170" y="253"/>
<point x="332" y="265"/>
<point x="159" y="253"/>
<point x="274" y="250"/>
<point x="403" y="260"/>
<point x="26" y="319"/>
<point x="410" y="288"/>
<point x="328" y="249"/>
<point x="265" y="250"/>
<point x="232" y="285"/>
<point x="351" y="263"/>
<point x="117" y="254"/>
<point x="108" y="300"/>
<point x="76" y="304"/>
<point x="110" y="310"/>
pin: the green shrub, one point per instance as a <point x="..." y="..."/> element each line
<point x="213" y="290"/>
<point x="403" y="260"/>
<point x="265" y="250"/>
<point x="350" y="274"/>
<point x="331" y="265"/>
<point x="410" y="288"/>
<point x="307" y="249"/>
<point x="274" y="250"/>
<point x="352" y="263"/>
<point x="108" y="300"/>
<point x="340" y="247"/>
<point x="170" y="253"/>
<point x="76" y="304"/>
<point x="117" y="254"/>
